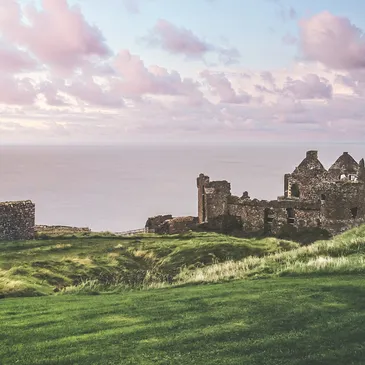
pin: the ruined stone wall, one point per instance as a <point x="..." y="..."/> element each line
<point x="212" y="199"/>
<point x="311" y="185"/>
<point x="202" y="182"/>
<point x="344" y="200"/>
<point x="308" y="181"/>
<point x="261" y="216"/>
<point x="17" y="220"/>
<point x="177" y="225"/>
<point x="217" y="193"/>
<point x="153" y="223"/>
<point x="344" y="207"/>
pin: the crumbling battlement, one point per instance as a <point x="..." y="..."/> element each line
<point x="153" y="223"/>
<point x="17" y="220"/>
<point x="333" y="200"/>
<point x="166" y="224"/>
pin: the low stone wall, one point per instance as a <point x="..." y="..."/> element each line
<point x="63" y="229"/>
<point x="17" y="220"/>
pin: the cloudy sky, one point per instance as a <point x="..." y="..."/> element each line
<point x="124" y="71"/>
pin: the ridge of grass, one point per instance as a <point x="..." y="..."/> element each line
<point x="344" y="254"/>
<point x="92" y="261"/>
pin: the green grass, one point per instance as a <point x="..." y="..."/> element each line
<point x="96" y="262"/>
<point x="296" y="321"/>
<point x="344" y="254"/>
<point x="302" y="305"/>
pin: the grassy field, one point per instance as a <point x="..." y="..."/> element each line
<point x="296" y="321"/>
<point x="97" y="263"/>
<point x="211" y="299"/>
<point x="41" y="266"/>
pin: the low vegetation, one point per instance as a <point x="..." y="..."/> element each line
<point x="344" y="254"/>
<point x="94" y="263"/>
<point x="99" y="262"/>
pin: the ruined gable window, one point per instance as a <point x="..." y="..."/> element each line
<point x="319" y="223"/>
<point x="290" y="215"/>
<point x="352" y="177"/>
<point x="354" y="212"/>
<point x="295" y="192"/>
<point x="323" y="197"/>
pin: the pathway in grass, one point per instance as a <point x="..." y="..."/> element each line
<point x="296" y="321"/>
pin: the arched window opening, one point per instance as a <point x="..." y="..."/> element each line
<point x="353" y="177"/>
<point x="295" y="192"/>
<point x="323" y="197"/>
<point x="342" y="177"/>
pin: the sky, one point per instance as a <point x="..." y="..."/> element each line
<point x="173" y="71"/>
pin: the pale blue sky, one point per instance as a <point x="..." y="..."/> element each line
<point x="255" y="27"/>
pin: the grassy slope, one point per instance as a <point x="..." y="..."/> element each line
<point x="297" y="321"/>
<point x="37" y="267"/>
<point x="344" y="254"/>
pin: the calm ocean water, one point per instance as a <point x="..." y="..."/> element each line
<point x="118" y="188"/>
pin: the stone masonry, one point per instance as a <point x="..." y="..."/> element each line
<point x="333" y="200"/>
<point x="17" y="220"/>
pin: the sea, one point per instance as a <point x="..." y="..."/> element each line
<point x="116" y="188"/>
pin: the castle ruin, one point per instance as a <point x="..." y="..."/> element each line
<point x="332" y="200"/>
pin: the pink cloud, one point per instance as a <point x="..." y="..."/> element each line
<point x="333" y="41"/>
<point x="18" y="92"/>
<point x="311" y="87"/>
<point x="179" y="40"/>
<point x="13" y="60"/>
<point x="86" y="90"/>
<point x="58" y="35"/>
<point x="137" y="79"/>
<point x="222" y="87"/>
<point x="183" y="41"/>
<point x="50" y="92"/>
